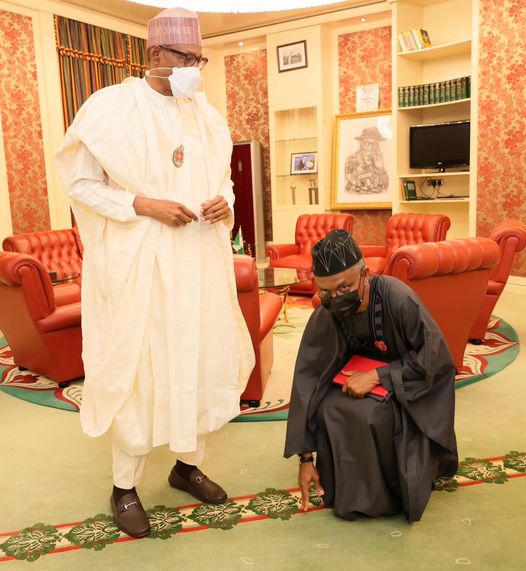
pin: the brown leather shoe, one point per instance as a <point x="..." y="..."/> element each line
<point x="130" y="515"/>
<point x="199" y="485"/>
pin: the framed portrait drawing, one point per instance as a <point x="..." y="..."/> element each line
<point x="304" y="163"/>
<point x="362" y="160"/>
<point x="292" y="56"/>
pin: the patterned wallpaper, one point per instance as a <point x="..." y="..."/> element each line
<point x="364" y="58"/>
<point x="247" y="109"/>
<point x="22" y="129"/>
<point x="502" y="117"/>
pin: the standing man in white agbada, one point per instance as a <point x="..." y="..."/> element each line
<point x="166" y="350"/>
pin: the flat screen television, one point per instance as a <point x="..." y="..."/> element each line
<point x="439" y="146"/>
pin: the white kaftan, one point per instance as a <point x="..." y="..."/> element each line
<point x="165" y="346"/>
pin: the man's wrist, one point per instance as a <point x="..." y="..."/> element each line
<point x="306" y="457"/>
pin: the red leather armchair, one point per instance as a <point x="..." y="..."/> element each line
<point x="401" y="230"/>
<point x="310" y="228"/>
<point x="510" y="235"/>
<point x="260" y="311"/>
<point x="56" y="250"/>
<point x="44" y="337"/>
<point x="451" y="278"/>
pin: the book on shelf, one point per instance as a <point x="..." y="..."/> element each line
<point x="410" y="42"/>
<point x="422" y="37"/>
<point x="434" y="93"/>
<point x="417" y="39"/>
<point x="414" y="39"/>
<point x="401" y="41"/>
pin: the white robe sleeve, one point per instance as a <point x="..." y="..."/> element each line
<point x="86" y="184"/>
<point x="228" y="194"/>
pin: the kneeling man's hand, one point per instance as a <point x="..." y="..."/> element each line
<point x="360" y="383"/>
<point x="308" y="475"/>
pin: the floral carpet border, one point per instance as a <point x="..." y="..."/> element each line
<point x="98" y="532"/>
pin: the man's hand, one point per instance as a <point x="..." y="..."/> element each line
<point x="360" y="382"/>
<point x="308" y="475"/>
<point x="166" y="211"/>
<point x="215" y="209"/>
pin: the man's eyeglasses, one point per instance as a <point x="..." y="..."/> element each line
<point x="340" y="290"/>
<point x="190" y="60"/>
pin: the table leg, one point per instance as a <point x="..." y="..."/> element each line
<point x="285" y="295"/>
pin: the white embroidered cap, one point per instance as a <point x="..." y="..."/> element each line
<point x="174" y="26"/>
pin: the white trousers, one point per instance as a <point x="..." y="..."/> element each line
<point x="128" y="470"/>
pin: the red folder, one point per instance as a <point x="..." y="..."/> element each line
<point x="358" y="363"/>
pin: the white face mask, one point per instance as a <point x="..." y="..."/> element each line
<point x="184" y="81"/>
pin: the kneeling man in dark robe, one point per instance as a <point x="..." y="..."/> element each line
<point x="374" y="456"/>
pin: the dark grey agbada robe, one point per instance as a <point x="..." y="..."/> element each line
<point x="376" y="458"/>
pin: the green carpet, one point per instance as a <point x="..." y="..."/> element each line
<point x="480" y="362"/>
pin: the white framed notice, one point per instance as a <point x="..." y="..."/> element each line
<point x="367" y="97"/>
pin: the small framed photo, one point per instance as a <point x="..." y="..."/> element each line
<point x="304" y="163"/>
<point x="292" y="56"/>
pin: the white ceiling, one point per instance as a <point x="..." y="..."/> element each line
<point x="212" y="24"/>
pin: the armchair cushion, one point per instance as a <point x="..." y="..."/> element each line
<point x="269" y="310"/>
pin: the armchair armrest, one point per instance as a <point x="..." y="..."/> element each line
<point x="245" y="272"/>
<point x="63" y="317"/>
<point x="419" y="261"/>
<point x="23" y="270"/>
<point x="276" y="251"/>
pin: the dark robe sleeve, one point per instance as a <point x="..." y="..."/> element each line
<point x="319" y="358"/>
<point x="422" y="379"/>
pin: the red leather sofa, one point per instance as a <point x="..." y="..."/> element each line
<point x="44" y="336"/>
<point x="510" y="235"/>
<point x="260" y="311"/>
<point x="310" y="228"/>
<point x="403" y="229"/>
<point x="451" y="278"/>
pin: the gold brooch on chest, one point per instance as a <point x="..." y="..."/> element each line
<point x="178" y="156"/>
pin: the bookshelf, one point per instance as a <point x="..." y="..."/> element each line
<point x="453" y="54"/>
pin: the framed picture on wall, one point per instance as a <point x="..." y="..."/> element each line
<point x="304" y="163"/>
<point x="292" y="56"/>
<point x="362" y="160"/>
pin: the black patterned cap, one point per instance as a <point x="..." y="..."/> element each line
<point x="335" y="253"/>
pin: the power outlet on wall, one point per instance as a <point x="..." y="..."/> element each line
<point x="434" y="182"/>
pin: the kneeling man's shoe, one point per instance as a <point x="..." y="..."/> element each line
<point x="130" y="515"/>
<point x="199" y="485"/>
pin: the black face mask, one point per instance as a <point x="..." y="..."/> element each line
<point x="343" y="306"/>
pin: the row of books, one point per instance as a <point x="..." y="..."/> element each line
<point x="415" y="39"/>
<point x="431" y="93"/>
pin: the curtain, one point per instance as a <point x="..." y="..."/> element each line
<point x="90" y="58"/>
